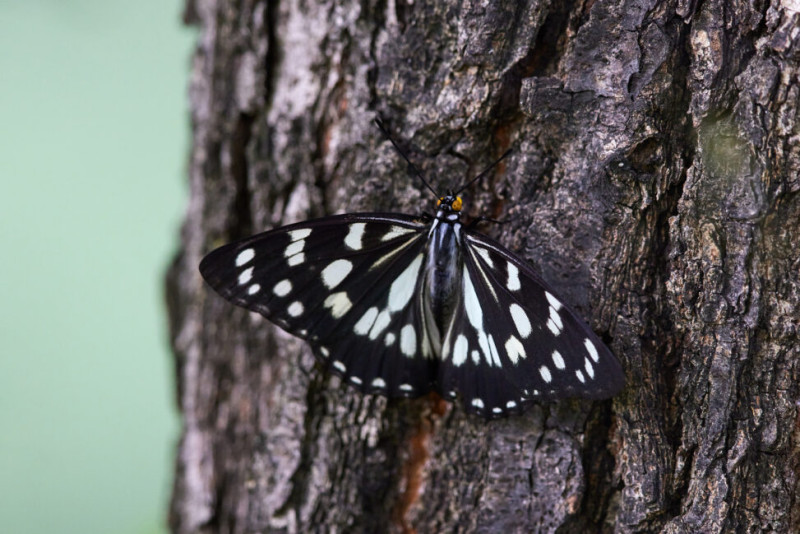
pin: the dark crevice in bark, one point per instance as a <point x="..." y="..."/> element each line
<point x="328" y="112"/>
<point x="402" y="11"/>
<point x="550" y="43"/>
<point x="218" y="519"/>
<point x="315" y="411"/>
<point x="679" y="144"/>
<point x="666" y="354"/>
<point x="541" y="60"/>
<point x="239" y="159"/>
<point x="273" y="56"/>
<point x="661" y="353"/>
<point x="600" y="464"/>
<point x="373" y="15"/>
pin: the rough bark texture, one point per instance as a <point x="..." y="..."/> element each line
<point x="654" y="182"/>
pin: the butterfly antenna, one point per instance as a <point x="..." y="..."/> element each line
<point x="399" y="150"/>
<point x="485" y="171"/>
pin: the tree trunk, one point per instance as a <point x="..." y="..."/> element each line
<point x="653" y="182"/>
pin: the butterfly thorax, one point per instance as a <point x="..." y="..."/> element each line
<point x="444" y="261"/>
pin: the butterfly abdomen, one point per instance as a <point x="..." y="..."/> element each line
<point x="442" y="285"/>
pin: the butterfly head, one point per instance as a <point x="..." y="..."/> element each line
<point x="449" y="203"/>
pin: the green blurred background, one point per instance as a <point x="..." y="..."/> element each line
<point x="93" y="148"/>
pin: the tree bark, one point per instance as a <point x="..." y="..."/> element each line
<point x="654" y="183"/>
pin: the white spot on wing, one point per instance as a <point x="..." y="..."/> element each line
<point x="545" y="373"/>
<point x="354" y="236"/>
<point x="556" y="318"/>
<point x="339" y="304"/>
<point x="333" y="274"/>
<point x="472" y="304"/>
<point x="497" y="410"/>
<point x="426" y="342"/>
<point x="588" y="367"/>
<point x="295" y="248"/>
<point x="406" y="387"/>
<point x="245" y="256"/>
<point x="460" y="349"/>
<point x="552" y="327"/>
<point x="245" y="276"/>
<point x="558" y="360"/>
<point x="513" y="278"/>
<point x="511" y="404"/>
<point x="381" y="322"/>
<point x="446" y="345"/>
<point x="483" y="253"/>
<point x="476" y="357"/>
<point x="297" y="259"/>
<point x="488" y="284"/>
<point x="514" y="349"/>
<point x="389" y="339"/>
<point x="340" y="366"/>
<point x="295" y="309"/>
<point x="395" y="231"/>
<point x="403" y="287"/>
<point x="591" y="349"/>
<point x="408" y="340"/>
<point x="252" y="290"/>
<point x="282" y="288"/>
<point x="483" y="342"/>
<point x="554" y="302"/>
<point x="521" y="320"/>
<point x="394" y="251"/>
<point x="295" y="235"/>
<point x="554" y="322"/>
<point x="365" y="323"/>
<point x="579" y="374"/>
<point x="379" y="383"/>
<point x="478" y="403"/>
<point x="355" y="380"/>
<point x="475" y="315"/>
<point x="325" y="352"/>
<point x="495" y="354"/>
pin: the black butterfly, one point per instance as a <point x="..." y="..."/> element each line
<point x="401" y="305"/>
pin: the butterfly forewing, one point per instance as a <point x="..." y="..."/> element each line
<point x="348" y="284"/>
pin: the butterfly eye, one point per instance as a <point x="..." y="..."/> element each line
<point x="456" y="205"/>
<point x="439" y="201"/>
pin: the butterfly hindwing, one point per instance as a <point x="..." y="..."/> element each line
<point x="515" y="341"/>
<point x="349" y="284"/>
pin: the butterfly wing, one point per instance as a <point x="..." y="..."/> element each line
<point x="512" y="340"/>
<point x="348" y="284"/>
<point x="352" y="286"/>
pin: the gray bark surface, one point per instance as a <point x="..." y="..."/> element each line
<point x="654" y="182"/>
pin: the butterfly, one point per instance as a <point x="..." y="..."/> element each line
<point x="400" y="305"/>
